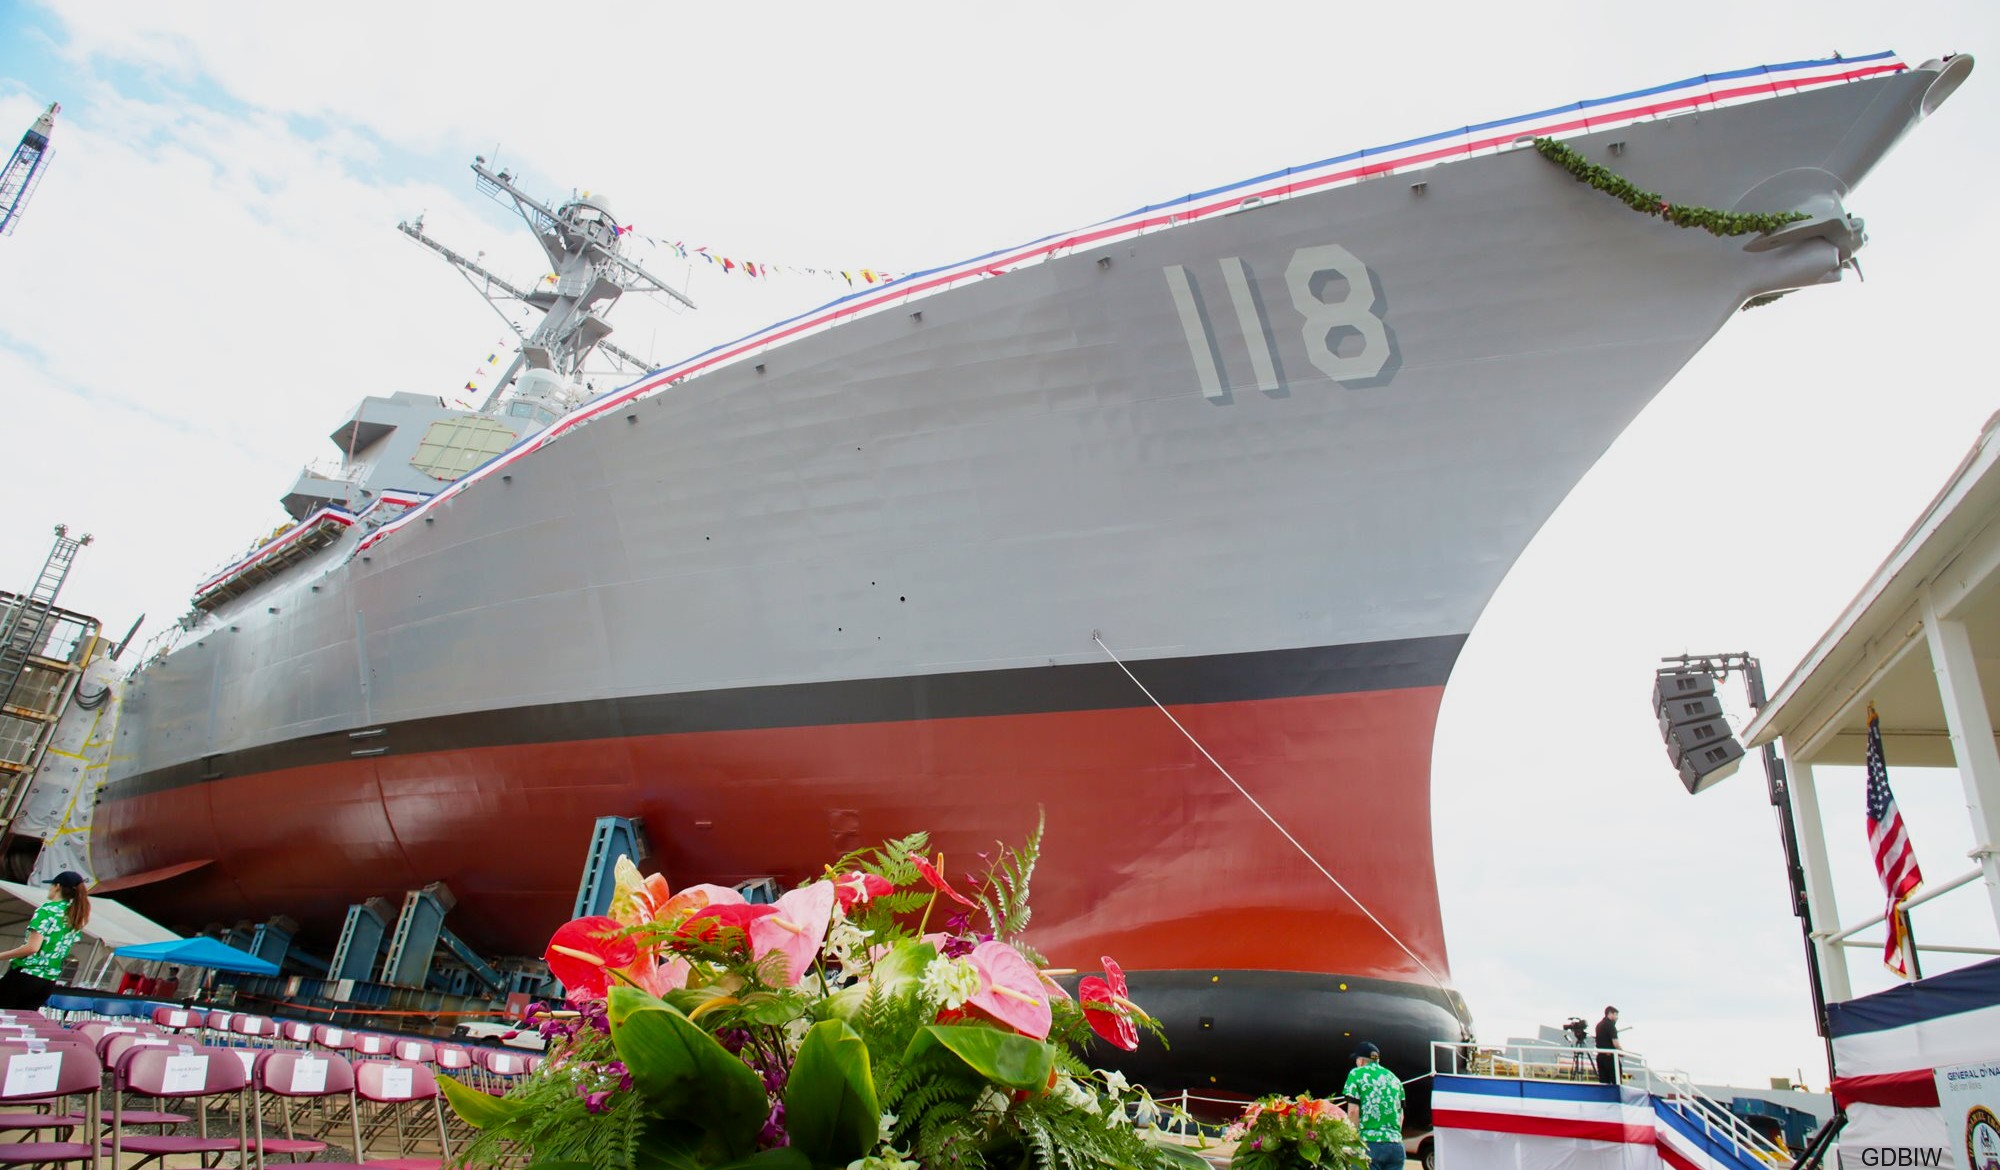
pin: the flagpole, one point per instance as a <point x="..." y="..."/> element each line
<point x="1909" y="944"/>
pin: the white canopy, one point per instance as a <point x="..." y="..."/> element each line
<point x="110" y="923"/>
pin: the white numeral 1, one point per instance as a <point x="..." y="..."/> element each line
<point x="1201" y="344"/>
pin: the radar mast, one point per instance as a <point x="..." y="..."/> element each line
<point x="585" y="249"/>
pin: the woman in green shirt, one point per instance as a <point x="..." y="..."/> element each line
<point x="52" y="931"/>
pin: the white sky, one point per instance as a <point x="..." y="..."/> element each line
<point x="210" y="276"/>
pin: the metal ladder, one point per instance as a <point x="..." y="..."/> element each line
<point x="21" y="630"/>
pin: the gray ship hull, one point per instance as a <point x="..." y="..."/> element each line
<point x="847" y="587"/>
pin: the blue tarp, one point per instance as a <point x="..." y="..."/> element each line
<point x="199" y="952"/>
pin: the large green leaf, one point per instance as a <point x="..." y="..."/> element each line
<point x="623" y="1001"/>
<point x="668" y="1145"/>
<point x="830" y="1105"/>
<point x="673" y="1145"/>
<point x="683" y="1073"/>
<point x="1178" y="1157"/>
<point x="904" y="962"/>
<point x="846" y="1004"/>
<point x="782" y="1158"/>
<point x="477" y="1108"/>
<point x="1003" y="1058"/>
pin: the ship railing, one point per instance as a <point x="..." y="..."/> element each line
<point x="1675" y="1089"/>
<point x="332" y="470"/>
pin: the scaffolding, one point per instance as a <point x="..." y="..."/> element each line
<point x="43" y="651"/>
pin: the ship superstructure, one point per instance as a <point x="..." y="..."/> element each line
<point x="1277" y="442"/>
<point x="395" y="451"/>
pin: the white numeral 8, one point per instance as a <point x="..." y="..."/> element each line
<point x="1355" y="311"/>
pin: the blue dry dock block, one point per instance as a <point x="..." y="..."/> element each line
<point x="610" y="839"/>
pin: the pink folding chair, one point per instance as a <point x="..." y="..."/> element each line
<point x="454" y="1059"/>
<point x="260" y="1031"/>
<point x="292" y="1075"/>
<point x="372" y="1044"/>
<point x="49" y="1076"/>
<point x="295" y="1032"/>
<point x="216" y="1026"/>
<point x="33" y="1021"/>
<point x="177" y="1019"/>
<point x="96" y="1031"/>
<point x="181" y="1072"/>
<point x="336" y="1039"/>
<point x="416" y="1052"/>
<point x="40" y="1119"/>
<point x="501" y="1067"/>
<point x="393" y="1086"/>
<point x="111" y="1052"/>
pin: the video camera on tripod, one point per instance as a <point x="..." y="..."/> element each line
<point x="1580" y="1063"/>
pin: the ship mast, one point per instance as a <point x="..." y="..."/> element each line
<point x="507" y="291"/>
<point x="585" y="251"/>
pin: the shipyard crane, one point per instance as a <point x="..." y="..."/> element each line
<point x="24" y="170"/>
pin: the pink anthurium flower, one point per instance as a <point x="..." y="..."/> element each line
<point x="796" y="929"/>
<point x="1010" y="989"/>
<point x="657" y="975"/>
<point x="585" y="951"/>
<point x="856" y="888"/>
<point x="1106" y="1007"/>
<point x="934" y="874"/>
<point x="693" y="900"/>
<point x="707" y="924"/>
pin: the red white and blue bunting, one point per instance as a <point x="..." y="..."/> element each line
<point x="1707" y="91"/>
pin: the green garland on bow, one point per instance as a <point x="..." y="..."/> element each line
<point x="1718" y="223"/>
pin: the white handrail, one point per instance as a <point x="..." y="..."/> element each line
<point x="1911" y="903"/>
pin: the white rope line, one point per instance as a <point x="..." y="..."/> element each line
<point x="1275" y="823"/>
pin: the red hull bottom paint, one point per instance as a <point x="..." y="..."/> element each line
<point x="1151" y="857"/>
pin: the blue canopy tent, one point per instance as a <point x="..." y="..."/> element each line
<point x="199" y="952"/>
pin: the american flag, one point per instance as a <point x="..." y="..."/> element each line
<point x="1895" y="860"/>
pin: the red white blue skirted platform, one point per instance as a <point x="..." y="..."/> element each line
<point x="1543" y="1125"/>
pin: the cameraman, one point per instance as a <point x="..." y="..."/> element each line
<point x="1607" y="1047"/>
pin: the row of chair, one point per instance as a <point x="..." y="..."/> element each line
<point x="48" y="1070"/>
<point x="491" y="1069"/>
<point x="265" y="1052"/>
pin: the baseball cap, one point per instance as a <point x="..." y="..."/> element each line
<point x="1366" y="1049"/>
<point x="68" y="877"/>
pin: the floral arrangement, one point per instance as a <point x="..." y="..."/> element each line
<point x="836" y="1027"/>
<point x="1687" y="215"/>
<point x="1295" y="1133"/>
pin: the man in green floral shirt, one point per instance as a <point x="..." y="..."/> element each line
<point x="1377" y="1108"/>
